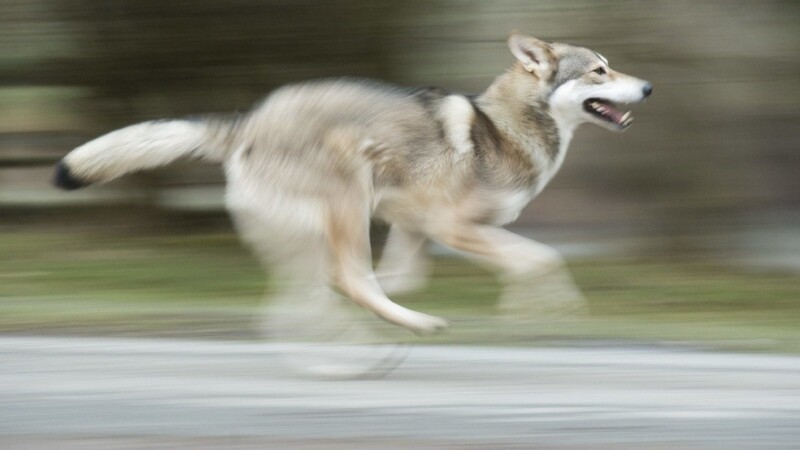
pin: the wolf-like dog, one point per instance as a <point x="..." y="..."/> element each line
<point x="309" y="168"/>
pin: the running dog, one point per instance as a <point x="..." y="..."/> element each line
<point x="310" y="166"/>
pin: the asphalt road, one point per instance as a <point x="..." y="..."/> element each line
<point x="80" y="393"/>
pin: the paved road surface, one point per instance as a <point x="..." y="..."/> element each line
<point x="77" y="393"/>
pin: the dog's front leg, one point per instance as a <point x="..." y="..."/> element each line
<point x="348" y="239"/>
<point x="537" y="282"/>
<point x="403" y="266"/>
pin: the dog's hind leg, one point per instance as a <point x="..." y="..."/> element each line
<point x="403" y="266"/>
<point x="348" y="239"/>
<point x="319" y="332"/>
<point x="295" y="262"/>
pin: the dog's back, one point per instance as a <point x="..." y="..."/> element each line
<point x="326" y="129"/>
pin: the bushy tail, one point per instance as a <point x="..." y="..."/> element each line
<point x="143" y="146"/>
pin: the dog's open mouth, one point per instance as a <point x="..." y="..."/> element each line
<point x="608" y="111"/>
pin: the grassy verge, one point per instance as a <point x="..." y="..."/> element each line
<point x="209" y="286"/>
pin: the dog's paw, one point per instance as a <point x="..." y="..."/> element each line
<point x="551" y="296"/>
<point x="421" y="324"/>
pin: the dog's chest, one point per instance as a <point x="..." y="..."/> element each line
<point x="507" y="204"/>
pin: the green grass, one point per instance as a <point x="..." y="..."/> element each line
<point x="210" y="286"/>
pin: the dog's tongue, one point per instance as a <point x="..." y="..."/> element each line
<point x="620" y="118"/>
<point x="613" y="113"/>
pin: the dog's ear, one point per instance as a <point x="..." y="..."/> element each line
<point x="537" y="57"/>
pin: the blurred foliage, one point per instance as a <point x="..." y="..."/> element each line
<point x="208" y="286"/>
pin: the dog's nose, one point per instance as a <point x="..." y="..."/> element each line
<point x="647" y="89"/>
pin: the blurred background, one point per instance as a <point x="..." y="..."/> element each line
<point x="686" y="228"/>
<point x="131" y="316"/>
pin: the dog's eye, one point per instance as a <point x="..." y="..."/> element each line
<point x="600" y="71"/>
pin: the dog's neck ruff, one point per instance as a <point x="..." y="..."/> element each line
<point x="530" y="127"/>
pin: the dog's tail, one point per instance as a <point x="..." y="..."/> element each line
<point x="144" y="146"/>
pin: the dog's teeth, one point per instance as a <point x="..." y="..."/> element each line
<point x="626" y="116"/>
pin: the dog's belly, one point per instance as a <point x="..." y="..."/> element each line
<point x="422" y="211"/>
<point x="508" y="205"/>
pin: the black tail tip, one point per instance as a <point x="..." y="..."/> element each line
<point x="63" y="179"/>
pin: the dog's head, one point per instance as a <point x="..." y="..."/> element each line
<point x="579" y="85"/>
